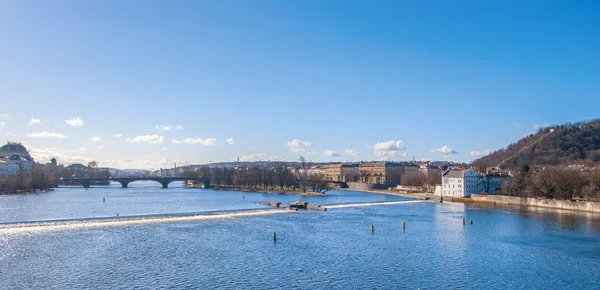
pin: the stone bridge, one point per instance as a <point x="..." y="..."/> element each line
<point x="124" y="181"/>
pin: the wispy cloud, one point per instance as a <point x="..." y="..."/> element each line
<point x="481" y="153"/>
<point x="150" y="139"/>
<point x="331" y="153"/>
<point x="74" y="122"/>
<point x="5" y="116"/>
<point x="169" y="127"/>
<point x="175" y="141"/>
<point x="250" y="158"/>
<point x="351" y="152"/>
<point x="200" y="141"/>
<point x="11" y="134"/>
<point x="298" y="146"/>
<point x="34" y="121"/>
<point x="2" y="123"/>
<point x="95" y="139"/>
<point x="118" y="135"/>
<point x="537" y="126"/>
<point x="257" y="157"/>
<point x="229" y="141"/>
<point x="445" y="150"/>
<point x="99" y="147"/>
<point x="516" y="124"/>
<point x="46" y="134"/>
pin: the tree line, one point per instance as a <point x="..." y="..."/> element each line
<point x="558" y="182"/>
<point x="264" y="177"/>
<point x="46" y="176"/>
<point x="417" y="178"/>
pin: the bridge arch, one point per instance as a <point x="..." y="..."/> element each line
<point x="125" y="181"/>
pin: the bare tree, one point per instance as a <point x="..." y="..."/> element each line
<point x="414" y="179"/>
<point x="544" y="183"/>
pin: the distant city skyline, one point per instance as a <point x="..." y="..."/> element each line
<point x="147" y="84"/>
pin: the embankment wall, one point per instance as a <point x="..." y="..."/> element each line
<point x="587" y="206"/>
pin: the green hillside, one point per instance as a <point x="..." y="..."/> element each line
<point x="571" y="143"/>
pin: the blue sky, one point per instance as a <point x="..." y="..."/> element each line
<point x="366" y="80"/>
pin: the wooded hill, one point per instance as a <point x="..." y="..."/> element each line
<point x="570" y="143"/>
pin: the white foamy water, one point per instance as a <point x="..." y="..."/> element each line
<point x="48" y="226"/>
<point x="371" y="204"/>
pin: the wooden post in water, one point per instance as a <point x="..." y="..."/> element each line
<point x="372" y="228"/>
<point x="403" y="225"/>
<point x="463" y="221"/>
<point x="274" y="236"/>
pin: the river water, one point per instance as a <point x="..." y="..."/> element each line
<point x="504" y="248"/>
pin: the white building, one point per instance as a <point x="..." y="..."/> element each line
<point x="460" y="183"/>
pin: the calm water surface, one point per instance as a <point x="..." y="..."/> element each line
<point x="503" y="249"/>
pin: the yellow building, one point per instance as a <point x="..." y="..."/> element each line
<point x="340" y="172"/>
<point x="380" y="173"/>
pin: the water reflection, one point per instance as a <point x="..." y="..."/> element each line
<point x="504" y="248"/>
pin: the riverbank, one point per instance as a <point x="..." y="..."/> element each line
<point x="418" y="195"/>
<point x="586" y="206"/>
<point x="261" y="190"/>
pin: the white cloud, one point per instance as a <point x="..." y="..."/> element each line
<point x="5" y="116"/>
<point x="444" y="150"/>
<point x="95" y="139"/>
<point x="516" y="124"/>
<point x="387" y="150"/>
<point x="74" y="156"/>
<point x="100" y="147"/>
<point x="200" y="141"/>
<point x="481" y="153"/>
<point x="175" y="141"/>
<point x="537" y="126"/>
<point x="389" y="145"/>
<point x="275" y="158"/>
<point x="331" y="153"/>
<point x="34" y="121"/>
<point x="74" y="122"/>
<point x="298" y="146"/>
<point x="229" y="141"/>
<point x="46" y="134"/>
<point x="426" y="159"/>
<point x="351" y="152"/>
<point x="2" y="123"/>
<point x="81" y="149"/>
<point x="257" y="157"/>
<point x="118" y="135"/>
<point x="164" y="148"/>
<point x="150" y="139"/>
<point x="11" y="134"/>
<point x="169" y="127"/>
